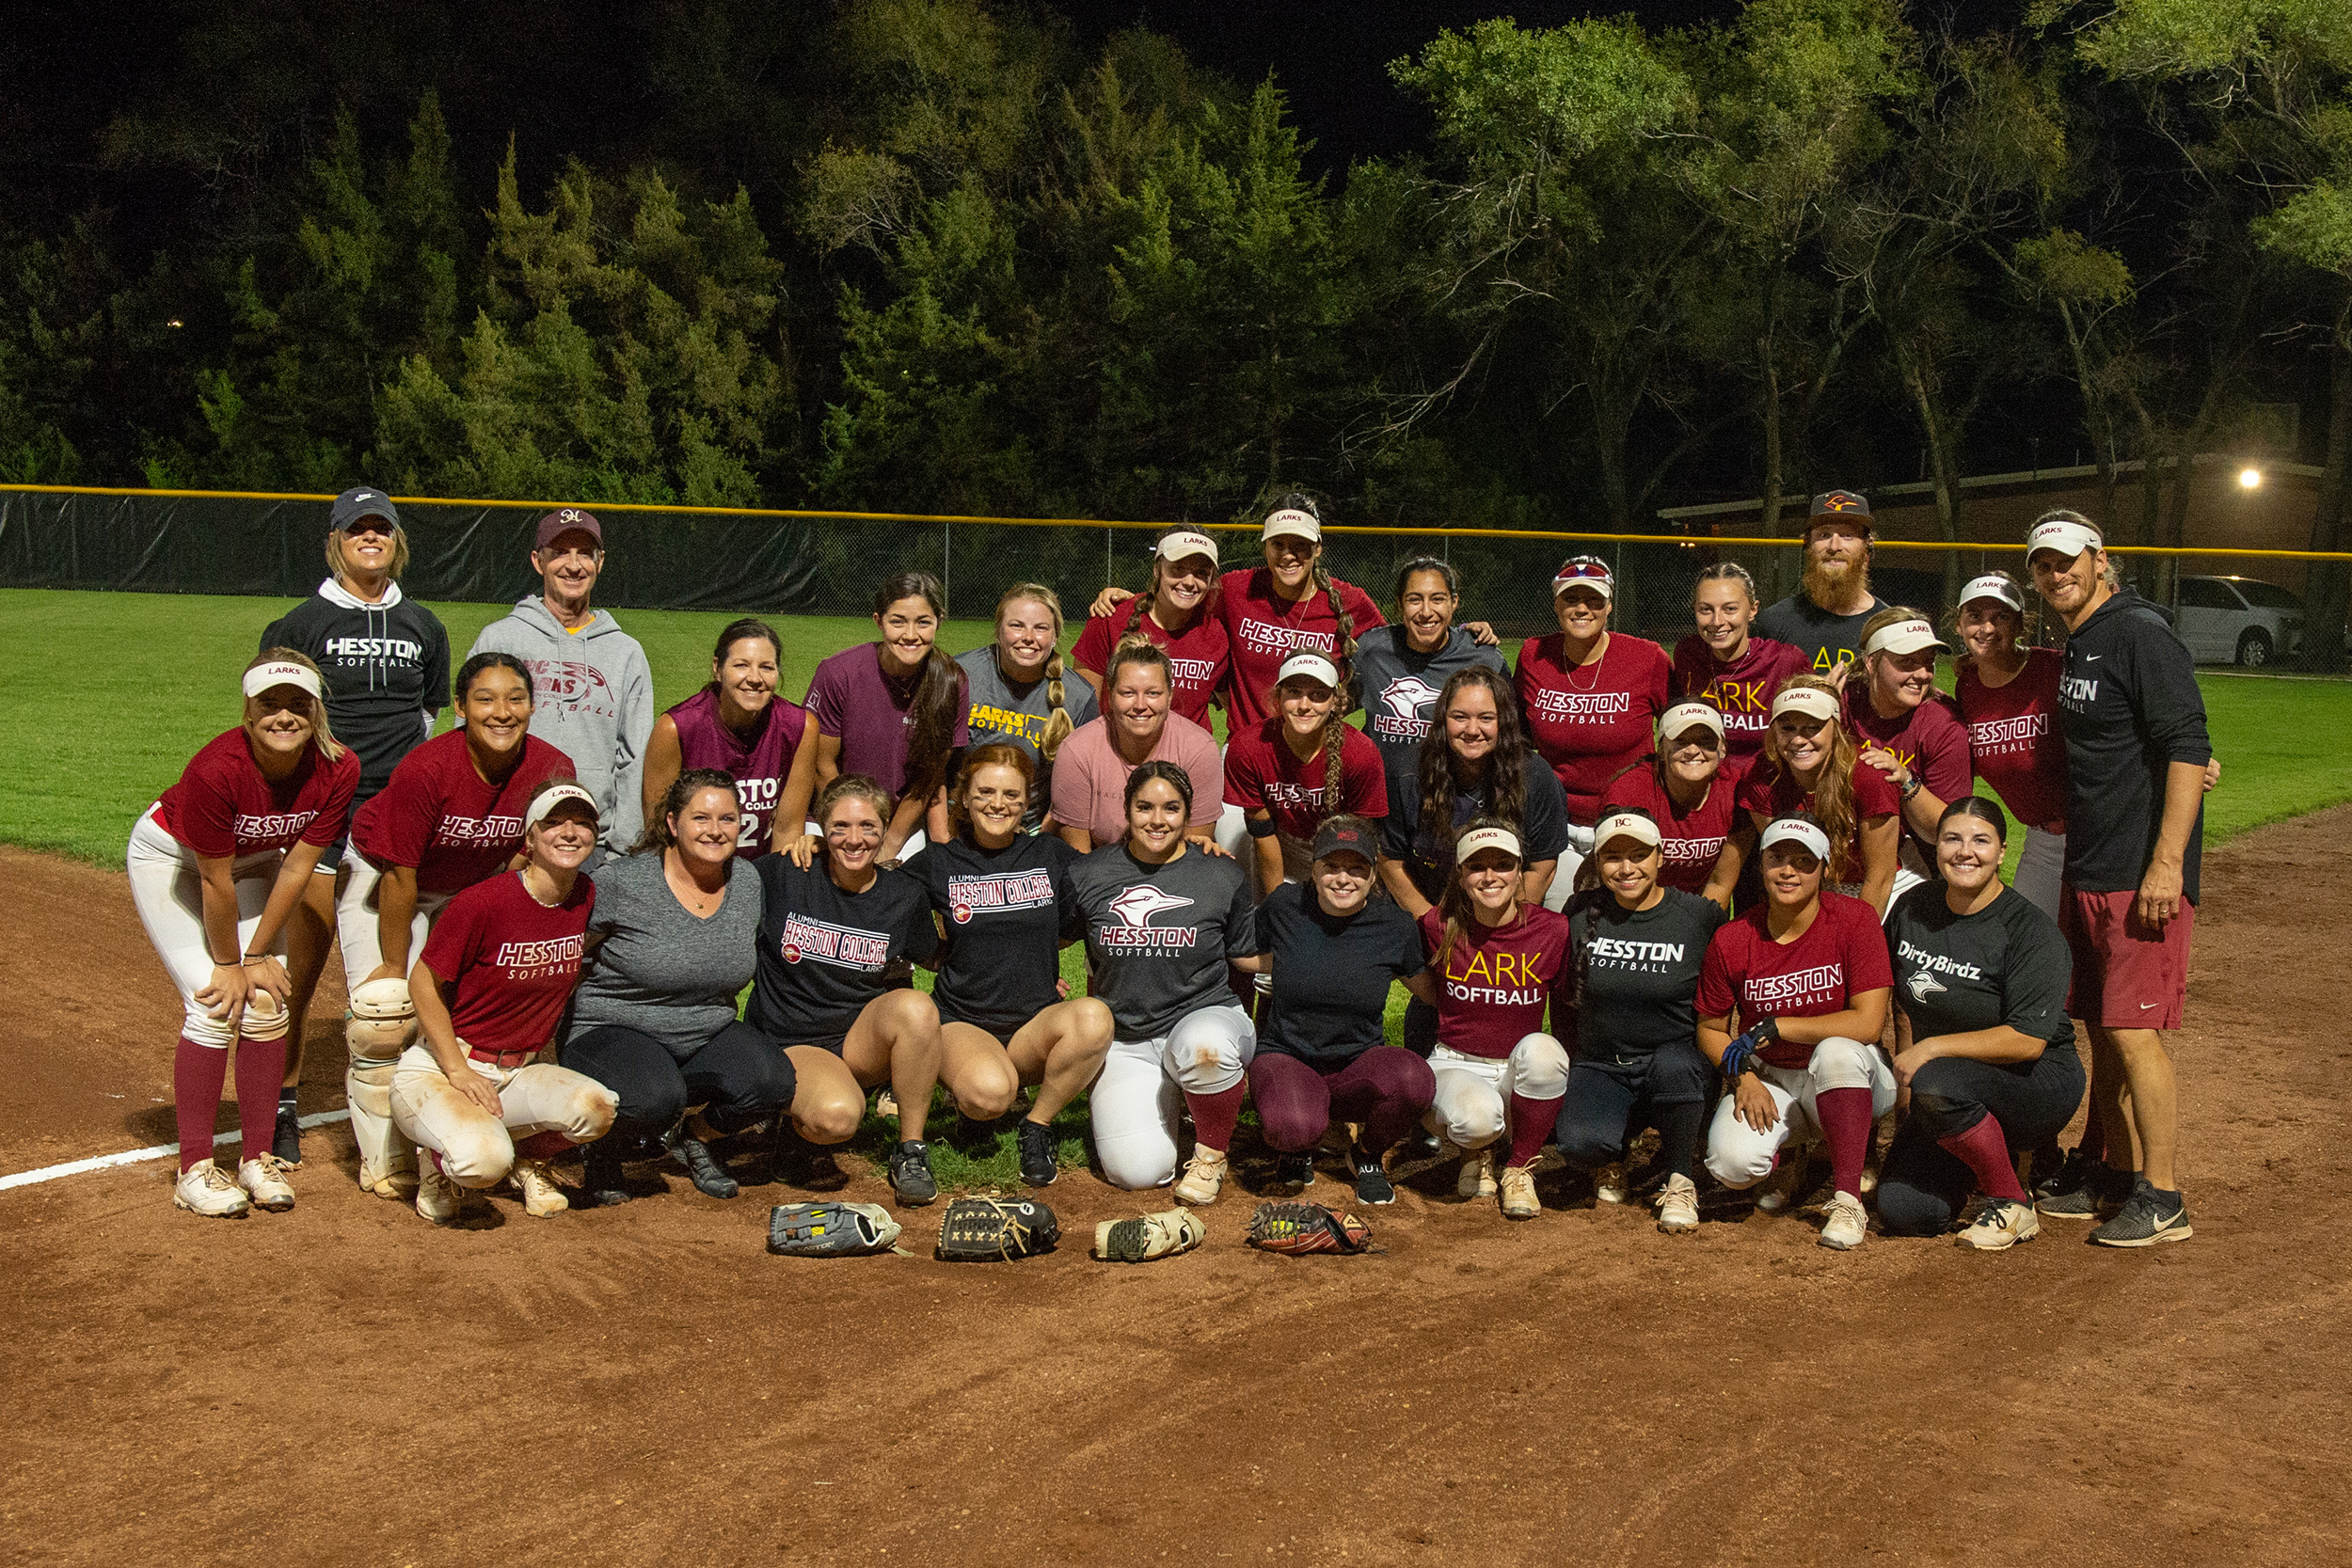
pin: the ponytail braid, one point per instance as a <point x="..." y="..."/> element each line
<point x="1342" y="624"/>
<point x="1057" y="721"/>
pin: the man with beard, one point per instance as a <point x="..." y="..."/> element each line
<point x="1825" y="620"/>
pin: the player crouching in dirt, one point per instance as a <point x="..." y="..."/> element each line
<point x="489" y="991"/>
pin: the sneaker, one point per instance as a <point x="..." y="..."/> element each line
<point x="710" y="1178"/>
<point x="397" y="1185"/>
<point x="2000" y="1224"/>
<point x="1040" y="1165"/>
<point x="603" y="1183"/>
<point x="205" y="1189"/>
<point x="2147" y="1217"/>
<point x="1609" y="1185"/>
<point x="911" y="1173"/>
<point x="1204" y="1177"/>
<point x="264" y="1182"/>
<point x="1847" y="1225"/>
<point x="1371" y="1183"/>
<point x="285" y="1142"/>
<point x="438" y="1199"/>
<point x="542" y="1198"/>
<point x="1518" y="1192"/>
<point x="1678" y="1205"/>
<point x="1293" y="1172"/>
<point x="1478" y="1175"/>
<point x="2081" y="1189"/>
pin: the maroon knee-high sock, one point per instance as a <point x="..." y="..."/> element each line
<point x="197" y="1072"/>
<point x="1845" y="1117"/>
<point x="1531" y="1124"/>
<point x="1984" y="1149"/>
<point x="260" y="1068"/>
<point x="1213" y="1115"/>
<point x="541" y="1146"/>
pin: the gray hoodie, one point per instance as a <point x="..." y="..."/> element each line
<point x="594" y="698"/>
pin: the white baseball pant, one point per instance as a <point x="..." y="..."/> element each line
<point x="1137" y="1100"/>
<point x="1738" y="1156"/>
<point x="1472" y="1107"/>
<point x="1572" y="859"/>
<point x="477" y="1148"/>
<point x="167" y="890"/>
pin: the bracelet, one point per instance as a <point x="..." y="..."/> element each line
<point x="1910" y="787"/>
<point x="255" y="958"/>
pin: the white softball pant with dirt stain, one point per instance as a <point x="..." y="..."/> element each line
<point x="1472" y="1107"/>
<point x="167" y="890"/>
<point x="1738" y="1156"/>
<point x="1136" y="1101"/>
<point x="477" y="1148"/>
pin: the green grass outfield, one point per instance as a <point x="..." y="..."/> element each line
<point x="103" y="697"/>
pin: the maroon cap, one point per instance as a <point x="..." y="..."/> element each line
<point x="566" y="520"/>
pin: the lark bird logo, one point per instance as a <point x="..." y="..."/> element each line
<point x="1137" y="905"/>
<point x="1838" y="500"/>
<point x="1924" y="985"/>
<point x="1408" y="695"/>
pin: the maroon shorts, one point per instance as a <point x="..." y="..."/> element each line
<point x="2127" y="975"/>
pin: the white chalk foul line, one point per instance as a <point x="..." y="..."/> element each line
<point x="139" y="1156"/>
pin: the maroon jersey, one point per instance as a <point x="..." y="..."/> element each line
<point x="1929" y="739"/>
<point x="1261" y="769"/>
<point x="1767" y="789"/>
<point x="758" y="766"/>
<point x="2014" y="738"/>
<point x="1842" y="955"/>
<point x="1197" y="658"/>
<point x="441" y="816"/>
<point x="507" y="962"/>
<point x="1693" y="841"/>
<point x="1742" y="691"/>
<point x="1591" y="723"/>
<point x="224" y="805"/>
<point x="1494" y="986"/>
<point x="1263" y="629"/>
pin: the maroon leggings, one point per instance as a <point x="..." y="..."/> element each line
<point x="1386" y="1089"/>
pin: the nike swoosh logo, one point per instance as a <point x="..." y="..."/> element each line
<point x="2090" y="658"/>
<point x="2145" y="1006"/>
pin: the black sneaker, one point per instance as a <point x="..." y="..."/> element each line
<point x="798" y="1163"/>
<point x="2081" y="1187"/>
<point x="1372" y="1182"/>
<point x="602" y="1184"/>
<point x="286" y="1140"/>
<point x="1293" y="1171"/>
<point x="2147" y="1217"/>
<point x="710" y="1178"/>
<point x="911" y="1173"/>
<point x="1038" y="1165"/>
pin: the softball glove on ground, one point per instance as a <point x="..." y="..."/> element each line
<point x="1300" y="1227"/>
<point x="1138" y="1241"/>
<point x="830" y="1229"/>
<point x="989" y="1230"/>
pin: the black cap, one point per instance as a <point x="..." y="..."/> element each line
<point x="1842" y="503"/>
<point x="1340" y="833"/>
<point x="360" y="501"/>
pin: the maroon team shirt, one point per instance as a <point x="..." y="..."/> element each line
<point x="1264" y="629"/>
<point x="1930" y="740"/>
<point x="1766" y="788"/>
<point x="1841" y="955"/>
<point x="758" y="766"/>
<point x="1262" y="770"/>
<point x="507" y="962"/>
<point x="849" y="698"/>
<point x="2014" y="738"/>
<point x="1197" y="655"/>
<point x="225" y="806"/>
<point x="439" y="815"/>
<point x="1592" y="722"/>
<point x="1692" y="842"/>
<point x="1742" y="691"/>
<point x="1494" y="986"/>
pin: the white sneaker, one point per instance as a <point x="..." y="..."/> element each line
<point x="1609" y="1184"/>
<point x="1677" y="1206"/>
<point x="542" y="1198"/>
<point x="438" y="1199"/>
<point x="1205" y="1177"/>
<point x="263" y="1179"/>
<point x="205" y="1189"/>
<point x="1478" y="1175"/>
<point x="397" y="1184"/>
<point x="1519" y="1202"/>
<point x="2000" y="1225"/>
<point x="1847" y="1225"/>
<point x="1778" y="1190"/>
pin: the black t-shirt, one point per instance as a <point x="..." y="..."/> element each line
<point x="824" y="954"/>
<point x="1427" y="851"/>
<point x="1331" y="974"/>
<point x="2129" y="708"/>
<point x="1956" y="974"/>
<point x="1160" y="935"/>
<point x="1825" y="640"/>
<point x="386" y="667"/>
<point x="1638" y="971"/>
<point x="1004" y="914"/>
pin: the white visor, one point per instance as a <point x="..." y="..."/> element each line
<point x="1677" y="720"/>
<point x="1812" y="703"/>
<point x="1316" y="665"/>
<point x="1290" y="520"/>
<point x="1993" y="588"/>
<point x="1478" y="839"/>
<point x="1796" y="830"/>
<point x="1625" y="824"/>
<point x="1177" y="546"/>
<point x="2070" y="539"/>
<point x="551" y="798"/>
<point x="279" y="672"/>
<point x="1904" y="637"/>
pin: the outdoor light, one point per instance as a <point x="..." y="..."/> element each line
<point x="2249" y="479"/>
<point x="174" y="322"/>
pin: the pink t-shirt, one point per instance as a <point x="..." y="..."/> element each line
<point x="1195" y="656"/>
<point x="1261" y="769"/>
<point x="850" y="699"/>
<point x="507" y="962"/>
<point x="1267" y="628"/>
<point x="225" y="806"/>
<point x="1841" y="955"/>
<point x="1590" y="723"/>
<point x="2014" y="738"/>
<point x="1692" y="841"/>
<point x="1742" y="691"/>
<point x="1090" y="777"/>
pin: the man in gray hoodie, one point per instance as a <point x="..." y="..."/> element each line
<point x="592" y="686"/>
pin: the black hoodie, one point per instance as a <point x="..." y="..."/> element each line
<point x="386" y="669"/>
<point x="2129" y="707"/>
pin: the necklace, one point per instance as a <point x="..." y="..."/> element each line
<point x="1601" y="650"/>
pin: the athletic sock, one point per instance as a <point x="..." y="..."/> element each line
<point x="1845" y="1118"/>
<point x="259" y="1065"/>
<point x="1678" y="1135"/>
<point x="1214" y="1116"/>
<point x="1531" y="1124"/>
<point x="197" y="1072"/>
<point x="1984" y="1149"/>
<point x="288" y="1098"/>
<point x="541" y="1146"/>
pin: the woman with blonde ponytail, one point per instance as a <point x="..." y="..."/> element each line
<point x="1018" y="692"/>
<point x="1302" y="766"/>
<point x="1811" y="767"/>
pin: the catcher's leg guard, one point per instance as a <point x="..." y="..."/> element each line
<point x="380" y="1026"/>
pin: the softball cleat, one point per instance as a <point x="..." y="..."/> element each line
<point x="1678" y="1205"/>
<point x="1609" y="1185"/>
<point x="542" y="1198"/>
<point x="2000" y="1224"/>
<point x="1477" y="1179"/>
<point x="1139" y="1241"/>
<point x="438" y="1199"/>
<point x="263" y="1179"/>
<point x="1848" y="1224"/>
<point x="1518" y="1192"/>
<point x="205" y="1189"/>
<point x="1205" y="1177"/>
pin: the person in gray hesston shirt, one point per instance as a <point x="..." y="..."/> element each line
<point x="593" y="688"/>
<point x="1399" y="669"/>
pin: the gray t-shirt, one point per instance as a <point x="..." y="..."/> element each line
<point x="1399" y="687"/>
<point x="1001" y="710"/>
<point x="652" y="967"/>
<point x="1159" y="936"/>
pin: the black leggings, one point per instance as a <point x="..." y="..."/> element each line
<point x="1609" y="1103"/>
<point x="1923" y="1187"/>
<point x="739" y="1077"/>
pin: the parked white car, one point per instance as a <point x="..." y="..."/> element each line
<point x="2237" y="620"/>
